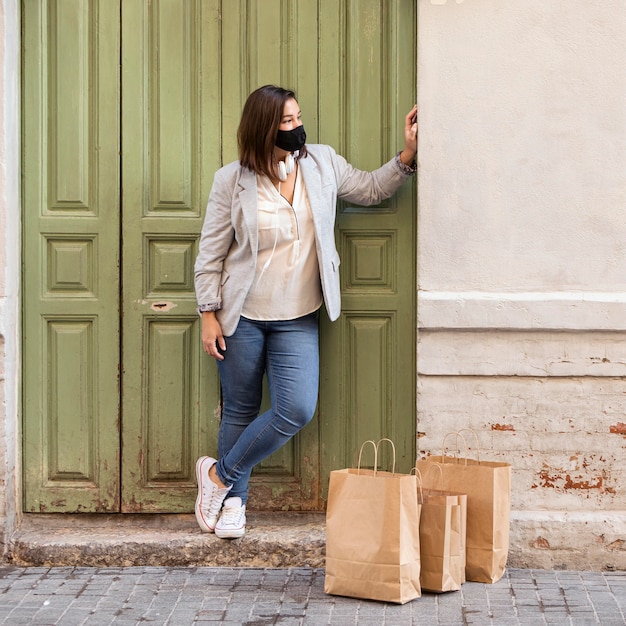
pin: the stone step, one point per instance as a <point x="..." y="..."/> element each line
<point x="289" y="539"/>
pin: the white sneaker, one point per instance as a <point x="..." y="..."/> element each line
<point x="210" y="496"/>
<point x="232" y="522"/>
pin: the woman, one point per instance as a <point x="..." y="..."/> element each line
<point x="267" y="261"/>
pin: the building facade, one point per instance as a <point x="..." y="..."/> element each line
<point x="519" y="293"/>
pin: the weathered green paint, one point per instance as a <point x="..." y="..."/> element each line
<point x="170" y="148"/>
<point x="71" y="255"/>
<point x="367" y="69"/>
<point x="186" y="68"/>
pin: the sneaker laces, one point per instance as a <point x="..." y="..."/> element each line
<point x="216" y="499"/>
<point x="231" y="514"/>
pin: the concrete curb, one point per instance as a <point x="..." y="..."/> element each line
<point x="271" y="540"/>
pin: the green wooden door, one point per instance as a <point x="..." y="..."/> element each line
<point x="186" y="68"/>
<point x="367" y="72"/>
<point x="170" y="146"/>
<point x="71" y="281"/>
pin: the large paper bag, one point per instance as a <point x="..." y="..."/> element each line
<point x="488" y="488"/>
<point x="372" y="535"/>
<point x="442" y="543"/>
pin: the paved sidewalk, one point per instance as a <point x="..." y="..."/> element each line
<point x="181" y="596"/>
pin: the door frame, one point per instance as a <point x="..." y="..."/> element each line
<point x="11" y="261"/>
<point x="10" y="304"/>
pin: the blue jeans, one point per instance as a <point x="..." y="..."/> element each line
<point x="288" y="351"/>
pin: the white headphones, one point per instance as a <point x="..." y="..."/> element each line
<point x="286" y="167"/>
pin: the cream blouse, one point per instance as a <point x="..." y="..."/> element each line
<point x="287" y="282"/>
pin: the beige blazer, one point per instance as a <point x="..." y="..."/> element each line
<point x="226" y="262"/>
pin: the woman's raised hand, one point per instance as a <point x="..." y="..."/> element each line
<point x="410" y="137"/>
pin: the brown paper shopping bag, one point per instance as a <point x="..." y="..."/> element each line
<point x="442" y="538"/>
<point x="372" y="534"/>
<point x="488" y="488"/>
<point x="442" y="567"/>
<point x="462" y="501"/>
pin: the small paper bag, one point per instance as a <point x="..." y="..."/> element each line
<point x="438" y="488"/>
<point x="441" y="542"/>
<point x="372" y="534"/>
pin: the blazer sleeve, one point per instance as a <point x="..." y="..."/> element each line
<point x="215" y="241"/>
<point x="368" y="188"/>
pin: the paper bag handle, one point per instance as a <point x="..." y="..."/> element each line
<point x="418" y="482"/>
<point x="418" y="475"/>
<point x="358" y="467"/>
<point x="438" y="466"/>
<point x="470" y="430"/>
<point x="443" y="445"/>
<point x="393" y="448"/>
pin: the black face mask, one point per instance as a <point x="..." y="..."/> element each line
<point x="291" y="140"/>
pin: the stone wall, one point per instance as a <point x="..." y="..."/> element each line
<point x="522" y="261"/>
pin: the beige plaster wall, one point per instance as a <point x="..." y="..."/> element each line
<point x="2" y="288"/>
<point x="522" y="260"/>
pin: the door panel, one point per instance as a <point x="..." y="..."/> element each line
<point x="70" y="282"/>
<point x="368" y="355"/>
<point x="170" y="149"/>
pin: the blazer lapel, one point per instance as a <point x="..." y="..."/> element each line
<point x="313" y="182"/>
<point x="248" y="199"/>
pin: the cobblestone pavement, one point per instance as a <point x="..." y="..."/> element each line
<point x="254" y="597"/>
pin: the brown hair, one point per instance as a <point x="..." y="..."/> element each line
<point x="258" y="128"/>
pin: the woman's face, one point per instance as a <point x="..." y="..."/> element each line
<point x="291" y="116"/>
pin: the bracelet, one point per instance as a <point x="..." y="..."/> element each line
<point x="406" y="169"/>
<point x="205" y="308"/>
